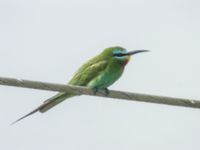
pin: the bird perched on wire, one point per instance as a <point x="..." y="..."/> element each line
<point x="98" y="73"/>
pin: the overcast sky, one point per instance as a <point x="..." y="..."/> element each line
<point x="47" y="40"/>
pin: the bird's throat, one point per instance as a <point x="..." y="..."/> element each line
<point x="127" y="60"/>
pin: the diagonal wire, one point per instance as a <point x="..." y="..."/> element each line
<point x="78" y="90"/>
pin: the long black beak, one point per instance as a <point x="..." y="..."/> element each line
<point x="130" y="53"/>
<point x="135" y="52"/>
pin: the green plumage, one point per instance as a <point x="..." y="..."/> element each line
<point x="98" y="73"/>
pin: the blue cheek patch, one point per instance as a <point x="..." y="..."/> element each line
<point x="119" y="51"/>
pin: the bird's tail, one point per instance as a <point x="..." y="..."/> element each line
<point x="48" y="104"/>
<point x="53" y="101"/>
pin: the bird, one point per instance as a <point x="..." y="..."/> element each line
<point x="98" y="74"/>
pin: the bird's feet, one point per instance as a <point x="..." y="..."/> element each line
<point x="105" y="91"/>
<point x="95" y="90"/>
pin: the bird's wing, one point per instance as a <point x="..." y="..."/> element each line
<point x="89" y="71"/>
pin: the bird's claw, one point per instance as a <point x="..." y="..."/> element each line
<point x="95" y="90"/>
<point x="105" y="91"/>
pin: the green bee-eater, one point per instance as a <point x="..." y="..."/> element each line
<point x="98" y="73"/>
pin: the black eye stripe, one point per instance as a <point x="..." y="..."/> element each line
<point x="119" y="54"/>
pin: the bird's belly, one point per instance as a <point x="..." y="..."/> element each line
<point x="105" y="79"/>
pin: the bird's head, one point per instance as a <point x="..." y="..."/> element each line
<point x="121" y="54"/>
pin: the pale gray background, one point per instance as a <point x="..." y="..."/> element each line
<point x="47" y="40"/>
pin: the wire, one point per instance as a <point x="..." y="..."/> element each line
<point x="77" y="90"/>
